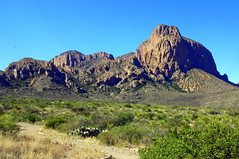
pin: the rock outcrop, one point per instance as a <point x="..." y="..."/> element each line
<point x="29" y="72"/>
<point x="25" y="68"/>
<point x="169" y="52"/>
<point x="78" y="60"/>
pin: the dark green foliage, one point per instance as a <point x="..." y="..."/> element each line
<point x="128" y="105"/>
<point x="214" y="112"/>
<point x="101" y="120"/>
<point x="53" y="123"/>
<point x="32" y="118"/>
<point x="205" y="140"/>
<point x="81" y="109"/>
<point x="123" y="118"/>
<point x="161" y="116"/>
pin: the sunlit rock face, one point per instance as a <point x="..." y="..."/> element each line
<point x="170" y="53"/>
<point x="78" y="60"/>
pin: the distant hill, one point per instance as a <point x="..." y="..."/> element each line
<point x="165" y="69"/>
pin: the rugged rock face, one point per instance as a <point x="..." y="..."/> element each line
<point x="29" y="72"/>
<point x="168" y="52"/>
<point x="25" y="68"/>
<point x="78" y="60"/>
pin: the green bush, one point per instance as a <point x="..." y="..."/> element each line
<point x="127" y="134"/>
<point x="101" y="120"/>
<point x="1" y="110"/>
<point x="55" y="122"/>
<point x="161" y="116"/>
<point x="216" y="140"/>
<point x="32" y="109"/>
<point x="7" y="105"/>
<point x="32" y="118"/>
<point x="8" y="125"/>
<point x="109" y="137"/>
<point x="123" y="118"/>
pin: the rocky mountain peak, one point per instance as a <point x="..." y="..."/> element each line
<point x="100" y="55"/>
<point x="25" y="63"/>
<point x="26" y="67"/>
<point x="72" y="52"/>
<point x="170" y="53"/>
<point x="69" y="58"/>
<point x="165" y="30"/>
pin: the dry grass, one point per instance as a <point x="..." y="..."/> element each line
<point x="28" y="147"/>
<point x="86" y="153"/>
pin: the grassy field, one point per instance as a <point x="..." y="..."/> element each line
<point x="159" y="131"/>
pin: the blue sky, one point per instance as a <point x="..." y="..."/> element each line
<point x="42" y="29"/>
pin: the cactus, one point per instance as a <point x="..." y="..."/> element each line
<point x="85" y="131"/>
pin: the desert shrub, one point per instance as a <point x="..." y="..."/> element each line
<point x="214" y="140"/>
<point x="109" y="137"/>
<point x="214" y="112"/>
<point x="8" y="124"/>
<point x="177" y="120"/>
<point x="123" y="135"/>
<point x="32" y="109"/>
<point x="194" y="116"/>
<point x="32" y="118"/>
<point x="55" y="122"/>
<point x="123" y="118"/>
<point x="7" y="105"/>
<point x="234" y="113"/>
<point x="82" y="110"/>
<point x="74" y="122"/>
<point x="128" y="105"/>
<point x="101" y="120"/>
<point x="161" y="116"/>
<point x="1" y="110"/>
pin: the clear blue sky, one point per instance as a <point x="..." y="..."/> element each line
<point x="42" y="29"/>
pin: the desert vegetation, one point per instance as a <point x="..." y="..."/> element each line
<point x="158" y="131"/>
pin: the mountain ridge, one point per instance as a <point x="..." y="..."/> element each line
<point x="166" y="63"/>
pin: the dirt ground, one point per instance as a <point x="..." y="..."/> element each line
<point x="82" y="148"/>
